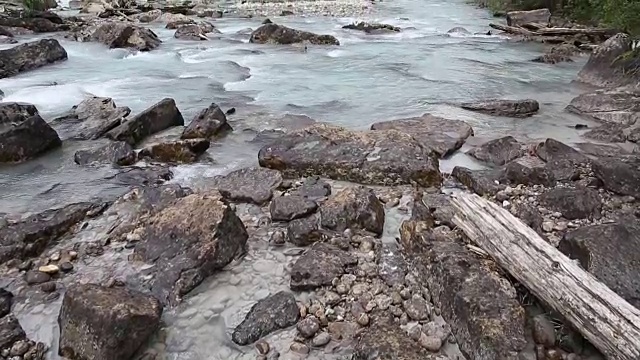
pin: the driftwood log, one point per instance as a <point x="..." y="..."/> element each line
<point x="605" y="319"/>
<point x="534" y="29"/>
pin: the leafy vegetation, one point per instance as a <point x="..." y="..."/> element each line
<point x="34" y="5"/>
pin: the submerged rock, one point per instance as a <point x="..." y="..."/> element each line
<point x="30" y="56"/>
<point x="499" y="151"/>
<point x="319" y="265"/>
<point x="158" y="117"/>
<point x="353" y="208"/>
<point x="181" y="151"/>
<point x="279" y="34"/>
<point x="121" y="35"/>
<point x="208" y="123"/>
<point x="275" y="312"/>
<point x="371" y="28"/>
<point x="519" y="18"/>
<point x="612" y="63"/>
<point x="613" y="106"/>
<point x="385" y="157"/>
<point x="253" y="185"/>
<point x="92" y="118"/>
<point x="558" y="53"/>
<point x="115" y="152"/>
<point x="23" y="133"/>
<point x="459" y="30"/>
<point x="105" y="323"/>
<point x="444" y="136"/>
<point x="497" y="107"/>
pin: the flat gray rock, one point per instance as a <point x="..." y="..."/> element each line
<point x="499" y="107"/>
<point x="353" y="208"/>
<point x="115" y="153"/>
<point x="319" y="265"/>
<point x="91" y="119"/>
<point x="275" y="312"/>
<point x="287" y="208"/>
<point x="253" y="185"/>
<point x="499" y="151"/>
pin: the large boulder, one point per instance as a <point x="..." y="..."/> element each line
<point x="209" y="122"/>
<point x="615" y="106"/>
<point x="30" y="56"/>
<point x="384" y="157"/>
<point x="529" y="170"/>
<point x="287" y="208"/>
<point x="179" y="151"/>
<point x="23" y="133"/>
<point x="444" y="136"/>
<point x="319" y="265"/>
<point x="578" y="203"/>
<point x="92" y="118"/>
<point x="372" y="28"/>
<point x="187" y="242"/>
<point x="620" y="175"/>
<point x="158" y="117"/>
<point x="113" y="153"/>
<point x="275" y="312"/>
<point x="499" y="151"/>
<point x="612" y="63"/>
<point x="105" y="323"/>
<point x="561" y="159"/>
<point x="498" y="107"/>
<point x="279" y="34"/>
<point x="121" y="35"/>
<point x="39" y="22"/>
<point x="519" y="18"/>
<point x="353" y="208"/>
<point x="252" y="185"/>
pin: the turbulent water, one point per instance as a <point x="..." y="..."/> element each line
<point x="366" y="79"/>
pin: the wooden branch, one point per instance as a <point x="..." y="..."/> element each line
<point x="512" y="29"/>
<point x="571" y="31"/>
<point x="604" y="318"/>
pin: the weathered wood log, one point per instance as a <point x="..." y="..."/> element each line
<point x="555" y="31"/>
<point x="605" y="319"/>
<point x="512" y="29"/>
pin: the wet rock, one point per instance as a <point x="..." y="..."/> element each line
<point x="208" y="123"/>
<point x="275" y="312"/>
<point x="558" y="53"/>
<point x="377" y="157"/>
<point x="278" y="34"/>
<point x="482" y="182"/>
<point x="6" y="301"/>
<point x="308" y="326"/>
<point x="562" y="160"/>
<point x="156" y="118"/>
<point x="143" y="176"/>
<point x="10" y="331"/>
<point x="121" y="35"/>
<point x="305" y="231"/>
<point x="459" y="30"/>
<point x="180" y="151"/>
<point x="48" y="287"/>
<point x="529" y="171"/>
<point x="611" y="64"/>
<point x="322" y="339"/>
<point x="353" y="208"/>
<point x="92" y="118"/>
<point x="192" y="32"/>
<point x="33" y="277"/>
<point x="519" y="18"/>
<point x="313" y="188"/>
<point x="149" y="16"/>
<point x="543" y="331"/>
<point x="444" y="136"/>
<point x="263" y="347"/>
<point x="105" y="323"/>
<point x="66" y="266"/>
<point x="116" y="152"/>
<point x="510" y="108"/>
<point x="287" y="208"/>
<point x="499" y="151"/>
<point x="579" y="203"/>
<point x="391" y="265"/>
<point x="387" y="341"/>
<point x="30" y="56"/>
<point x="608" y="251"/>
<point x="319" y="265"/>
<point x="371" y="28"/>
<point x="612" y="106"/>
<point x="607" y="133"/>
<point x="29" y="237"/>
<point x="620" y="175"/>
<point x="253" y="185"/>
<point x="24" y="137"/>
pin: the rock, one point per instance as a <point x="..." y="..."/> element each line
<point x="482" y="182"/>
<point x="562" y="160"/>
<point x="6" y="301"/>
<point x="557" y="54"/>
<point x="10" y="331"/>
<point x="430" y="343"/>
<point x="417" y="308"/>
<point x="305" y="231"/>
<point x="180" y="151"/>
<point x="543" y="331"/>
<point x="33" y="277"/>
<point x="620" y="175"/>
<point x="123" y="35"/>
<point x="24" y="137"/>
<point x="49" y="269"/>
<point x="156" y="118"/>
<point x="444" y="136"/>
<point x="612" y="133"/>
<point x="377" y="157"/>
<point x="7" y="40"/>
<point x="105" y="323"/>
<point x="66" y="266"/>
<point x="322" y="339"/>
<point x="459" y="30"/>
<point x="287" y="208"/>
<point x="353" y="208"/>
<point x="579" y="203"/>
<point x="175" y="21"/>
<point x="529" y="171"/>
<point x="313" y="188"/>
<point x="48" y="287"/>
<point x="371" y="28"/>
<point x="278" y="34"/>
<point x="190" y="32"/>
<point x="149" y="16"/>
<point x="387" y="341"/>
<point x="275" y="312"/>
<point x="92" y="118"/>
<point x="391" y="265"/>
<point x="601" y="150"/>
<point x="529" y="215"/>
<point x="19" y="348"/>
<point x="208" y="123"/>
<point x="612" y="63"/>
<point x="263" y="347"/>
<point x="318" y="266"/>
<point x="115" y="152"/>
<point x="499" y="151"/>
<point x="510" y="108"/>
<point x="308" y="326"/>
<point x="519" y="18"/>
<point x="253" y="185"/>
<point x="299" y="348"/>
<point x="613" y="106"/>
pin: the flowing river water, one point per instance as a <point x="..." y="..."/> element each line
<point x="368" y="78"/>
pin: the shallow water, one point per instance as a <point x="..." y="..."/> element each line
<point x="367" y="79"/>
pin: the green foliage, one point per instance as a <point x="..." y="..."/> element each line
<point x="33" y="5"/>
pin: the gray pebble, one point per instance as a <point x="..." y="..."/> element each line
<point x="308" y="326"/>
<point x="321" y="339"/>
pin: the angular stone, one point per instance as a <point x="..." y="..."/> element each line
<point x="441" y="208"/>
<point x="33" y="277"/>
<point x="6" y="301"/>
<point x="387" y="341"/>
<point x="208" y="123"/>
<point x="519" y="18"/>
<point x="105" y="323"/>
<point x="611" y="63"/>
<point x="92" y="118"/>
<point x="319" y="265"/>
<point x="578" y="203"/>
<point x="275" y="312"/>
<point x="372" y="28"/>
<point x="30" y="56"/>
<point x="114" y="152"/>
<point x="611" y="106"/>
<point x="10" y="331"/>
<point x="543" y="331"/>
<point x="529" y="215"/>
<point x="191" y="32"/>
<point x="121" y="35"/>
<point x="278" y="34"/>
<point x="391" y="266"/>
<point x="499" y="151"/>
<point x="313" y="188"/>
<point x="612" y="133"/>
<point x="180" y="151"/>
<point x="529" y="171"/>
<point x="620" y="175"/>
<point x="444" y="136"/>
<point x="305" y="231"/>
<point x="253" y="185"/>
<point x="376" y="157"/>
<point x="497" y="107"/>
<point x="602" y="150"/>
<point x="287" y="208"/>
<point x="156" y="118"/>
<point x="24" y="137"/>
<point x="562" y="160"/>
<point x="482" y="182"/>
<point x="187" y="242"/>
<point x="353" y="208"/>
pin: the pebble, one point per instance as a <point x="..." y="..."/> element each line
<point x="383" y="301"/>
<point x="396" y="298"/>
<point x="405" y="294"/>
<point x="73" y="255"/>
<point x="506" y="203"/>
<point x="363" y="319"/>
<point x="19" y="348"/>
<point x="321" y="339"/>
<point x="348" y="280"/>
<point x="25" y="265"/>
<point x="277" y="238"/>
<point x="48" y="287"/>
<point x="263" y="347"/>
<point x="431" y="343"/>
<point x="417" y="308"/>
<point x="547" y="226"/>
<point x="299" y="348"/>
<point x="36" y="277"/>
<point x="359" y="289"/>
<point x="414" y="331"/>
<point x="308" y="326"/>
<point x="49" y="269"/>
<point x="543" y="331"/>
<point x="331" y="298"/>
<point x="55" y="256"/>
<point x="66" y="266"/>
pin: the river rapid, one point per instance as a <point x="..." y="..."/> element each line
<point x="367" y="79"/>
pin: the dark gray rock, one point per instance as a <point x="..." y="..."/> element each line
<point x="562" y="160"/>
<point x="308" y="326"/>
<point x="387" y="341"/>
<point x="287" y="208"/>
<point x="143" y="176"/>
<point x="313" y="188"/>
<point x="499" y="151"/>
<point x="158" y="117"/>
<point x="208" y="123"/>
<point x="105" y="323"/>
<point x="529" y="171"/>
<point x="6" y="301"/>
<point x="444" y="136"/>
<point x="544" y="332"/>
<point x="193" y="32"/>
<point x="529" y="215"/>
<point x="578" y="203"/>
<point x="386" y="157"/>
<point x="372" y="28"/>
<point x="612" y="63"/>
<point x="458" y="30"/>
<point x="353" y="208"/>
<point x="482" y="182"/>
<point x="91" y="119"/>
<point x="275" y="312"/>
<point x="391" y="266"/>
<point x="511" y="108"/>
<point x="33" y="277"/>
<point x="441" y="208"/>
<point x="10" y="331"/>
<point x="24" y="137"/>
<point x="115" y="152"/>
<point x="179" y="151"/>
<point x="305" y="231"/>
<point x="620" y="175"/>
<point x="277" y="34"/>
<point x="609" y="252"/>
<point x="30" y="56"/>
<point x="319" y="265"/>
<point x="188" y="241"/>
<point x="253" y="185"/>
<point x="602" y="150"/>
<point x="610" y="106"/>
<point x="538" y="16"/>
<point x="612" y="133"/>
<point x="120" y="35"/>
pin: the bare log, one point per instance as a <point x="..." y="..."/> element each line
<point x="604" y="318"/>
<point x="554" y="31"/>
<point x="512" y="29"/>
